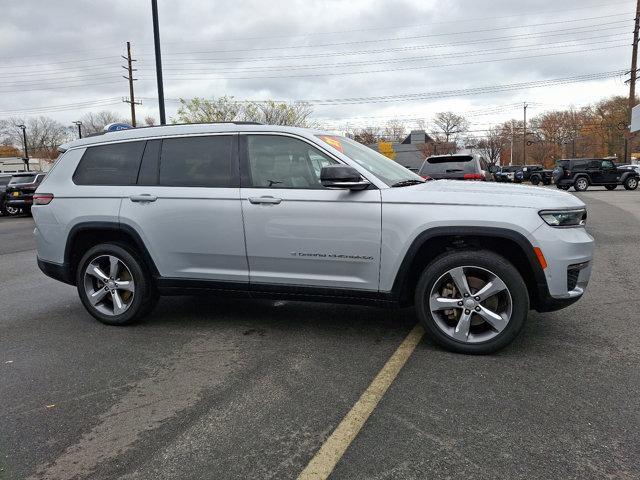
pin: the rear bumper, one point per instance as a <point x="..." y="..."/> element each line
<point x="55" y="271"/>
<point x="19" y="202"/>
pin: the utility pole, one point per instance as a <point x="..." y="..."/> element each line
<point x="634" y="72"/>
<point x="79" y="124"/>
<point x="156" y="43"/>
<point x="24" y="142"/>
<point x="524" y="135"/>
<point x="129" y="68"/>
<point x="513" y="134"/>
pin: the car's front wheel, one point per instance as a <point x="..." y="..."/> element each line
<point x="472" y="301"/>
<point x="113" y="286"/>
<point x="611" y="187"/>
<point x="581" y="184"/>
<point x="631" y="183"/>
<point x="535" y="180"/>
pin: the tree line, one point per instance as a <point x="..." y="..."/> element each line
<point x="596" y="130"/>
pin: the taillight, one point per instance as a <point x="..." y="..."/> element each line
<point x="473" y="176"/>
<point x="426" y="177"/>
<point x="42" y="198"/>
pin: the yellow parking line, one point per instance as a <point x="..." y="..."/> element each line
<point x="330" y="453"/>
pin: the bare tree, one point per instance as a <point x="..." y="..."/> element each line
<point x="295" y="114"/>
<point x="150" y="121"/>
<point x="202" y="110"/>
<point x="395" y="130"/>
<point x="493" y="144"/>
<point x="450" y="126"/>
<point x="44" y="134"/>
<point x="365" y="135"/>
<point x="94" y="122"/>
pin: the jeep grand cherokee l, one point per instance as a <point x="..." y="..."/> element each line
<point x="290" y="213"/>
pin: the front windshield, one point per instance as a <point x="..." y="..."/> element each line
<point x="382" y="167"/>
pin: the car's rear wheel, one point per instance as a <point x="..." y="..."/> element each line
<point x="8" y="209"/>
<point x="631" y="183"/>
<point x="472" y="301"/>
<point x="610" y="187"/>
<point x="535" y="180"/>
<point x="113" y="286"/>
<point x="581" y="184"/>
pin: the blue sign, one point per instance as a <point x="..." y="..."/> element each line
<point x="114" y="127"/>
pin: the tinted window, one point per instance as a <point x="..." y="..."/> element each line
<point x="18" y="179"/>
<point x="579" y="165"/>
<point x="607" y="164"/>
<point x="113" y="164"/>
<point x="284" y="162"/>
<point x="197" y="161"/>
<point x="449" y="164"/>
<point x="4" y="180"/>
<point x="149" y="167"/>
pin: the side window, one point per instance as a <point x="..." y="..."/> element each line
<point x="594" y="164"/>
<point x="284" y="162"/>
<point x="197" y="161"/>
<point x="148" y="174"/>
<point x="579" y="165"/>
<point x="607" y="164"/>
<point x="113" y="164"/>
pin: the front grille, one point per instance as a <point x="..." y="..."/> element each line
<point x="572" y="276"/>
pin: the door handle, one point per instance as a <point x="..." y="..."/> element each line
<point x="145" y="197"/>
<point x="267" y="200"/>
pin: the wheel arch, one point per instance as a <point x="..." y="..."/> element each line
<point x="431" y="243"/>
<point x="88" y="234"/>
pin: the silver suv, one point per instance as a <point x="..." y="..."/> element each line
<point x="290" y="213"/>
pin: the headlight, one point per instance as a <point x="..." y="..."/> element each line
<point x="565" y="218"/>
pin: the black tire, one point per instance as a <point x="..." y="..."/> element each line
<point x="535" y="180"/>
<point x="610" y="187"/>
<point x="546" y="181"/>
<point x="631" y="183"/>
<point x="564" y="187"/>
<point x="6" y="210"/>
<point x="482" y="259"/>
<point x="581" y="184"/>
<point x="145" y="297"/>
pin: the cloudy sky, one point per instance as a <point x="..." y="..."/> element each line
<point x="358" y="62"/>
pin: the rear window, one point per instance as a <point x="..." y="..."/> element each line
<point x="4" y="180"/>
<point x="114" y="164"/>
<point x="448" y="164"/>
<point x="197" y="161"/>
<point x="17" y="179"/>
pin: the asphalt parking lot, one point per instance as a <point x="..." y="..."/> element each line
<point x="222" y="388"/>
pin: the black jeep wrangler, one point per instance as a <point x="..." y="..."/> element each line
<point x="536" y="174"/>
<point x="582" y="172"/>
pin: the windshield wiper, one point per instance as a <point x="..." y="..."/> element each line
<point x="406" y="183"/>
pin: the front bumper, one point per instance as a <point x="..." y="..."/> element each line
<point x="569" y="256"/>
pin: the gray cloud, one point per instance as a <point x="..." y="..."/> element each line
<point x="66" y="52"/>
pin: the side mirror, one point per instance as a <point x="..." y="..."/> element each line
<point x="342" y="177"/>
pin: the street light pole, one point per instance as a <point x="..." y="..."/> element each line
<point x="156" y="42"/>
<point x="79" y="124"/>
<point x="24" y="143"/>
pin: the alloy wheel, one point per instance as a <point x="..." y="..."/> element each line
<point x="109" y="285"/>
<point x="632" y="183"/>
<point x="470" y="304"/>
<point x="582" y="184"/>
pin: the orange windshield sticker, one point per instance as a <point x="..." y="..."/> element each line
<point x="334" y="142"/>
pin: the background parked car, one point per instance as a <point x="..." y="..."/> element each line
<point x="5" y="209"/>
<point x="635" y="168"/>
<point x="19" y="192"/>
<point x="535" y="174"/>
<point x="456" y="167"/>
<point x="506" y="173"/>
<point x="583" y="172"/>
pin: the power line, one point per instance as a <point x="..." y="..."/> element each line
<point x="266" y="68"/>
<point x="399" y="69"/>
<point x="524" y="36"/>
<point x="381" y="40"/>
